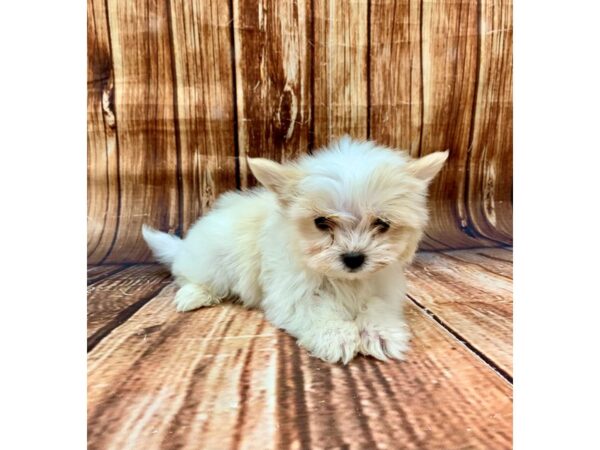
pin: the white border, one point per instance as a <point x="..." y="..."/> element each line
<point x="43" y="224"/>
<point x="43" y="229"/>
<point x="557" y="179"/>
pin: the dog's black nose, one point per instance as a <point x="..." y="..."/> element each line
<point x="353" y="260"/>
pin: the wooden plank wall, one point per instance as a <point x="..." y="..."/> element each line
<point x="181" y="91"/>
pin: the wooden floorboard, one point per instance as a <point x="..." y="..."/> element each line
<point x="485" y="261"/>
<point x="223" y="377"/>
<point x="117" y="297"/>
<point x="473" y="301"/>
<point x="503" y="254"/>
<point x="98" y="273"/>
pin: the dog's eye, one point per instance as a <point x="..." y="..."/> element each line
<point x="381" y="225"/>
<point x="322" y="223"/>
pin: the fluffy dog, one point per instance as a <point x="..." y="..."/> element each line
<point x="321" y="248"/>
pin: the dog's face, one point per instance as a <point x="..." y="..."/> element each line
<point x="354" y="208"/>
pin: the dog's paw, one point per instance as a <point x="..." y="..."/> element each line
<point x="384" y="342"/>
<point x="193" y="296"/>
<point x="333" y="343"/>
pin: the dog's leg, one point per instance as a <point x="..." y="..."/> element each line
<point x="384" y="332"/>
<point x="320" y="325"/>
<point x="192" y="296"/>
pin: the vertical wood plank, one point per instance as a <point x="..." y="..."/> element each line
<point x="420" y="76"/>
<point x="396" y="103"/>
<point x="340" y="69"/>
<point x="146" y="129"/>
<point x="202" y="50"/>
<point x="423" y="77"/>
<point x="490" y="162"/>
<point x="449" y="61"/>
<point x="396" y="84"/>
<point x="272" y="59"/>
<point x="102" y="152"/>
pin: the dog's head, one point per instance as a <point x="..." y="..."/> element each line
<point x="354" y="207"/>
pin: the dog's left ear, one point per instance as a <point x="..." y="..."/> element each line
<point x="276" y="177"/>
<point x="427" y="167"/>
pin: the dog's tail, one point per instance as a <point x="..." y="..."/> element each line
<point x="164" y="246"/>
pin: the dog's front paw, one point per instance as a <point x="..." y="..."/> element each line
<point x="193" y="296"/>
<point x="384" y="342"/>
<point x="333" y="343"/>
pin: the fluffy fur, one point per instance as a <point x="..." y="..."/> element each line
<point x="265" y="247"/>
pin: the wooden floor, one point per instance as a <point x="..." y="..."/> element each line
<point x="224" y="378"/>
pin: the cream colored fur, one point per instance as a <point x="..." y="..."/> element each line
<point x="264" y="247"/>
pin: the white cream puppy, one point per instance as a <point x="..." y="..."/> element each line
<point x="321" y="248"/>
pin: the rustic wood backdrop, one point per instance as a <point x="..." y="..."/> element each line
<point x="180" y="91"/>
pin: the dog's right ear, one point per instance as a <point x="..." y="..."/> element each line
<point x="276" y="177"/>
<point x="427" y="167"/>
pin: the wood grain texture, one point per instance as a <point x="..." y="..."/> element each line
<point x="340" y="69"/>
<point x="272" y="60"/>
<point x="202" y="54"/>
<point x="180" y="93"/>
<point x="114" y="299"/>
<point x="102" y="146"/>
<point x="144" y="107"/>
<point x="396" y="80"/>
<point x="474" y="302"/>
<point x="396" y="76"/>
<point x="98" y="273"/>
<point x="503" y="254"/>
<point x="490" y="163"/>
<point x="424" y="66"/>
<point x="223" y="377"/>
<point x="491" y="261"/>
<point x="449" y="67"/>
<point x="425" y="76"/>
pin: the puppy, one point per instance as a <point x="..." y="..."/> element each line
<point x="320" y="248"/>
